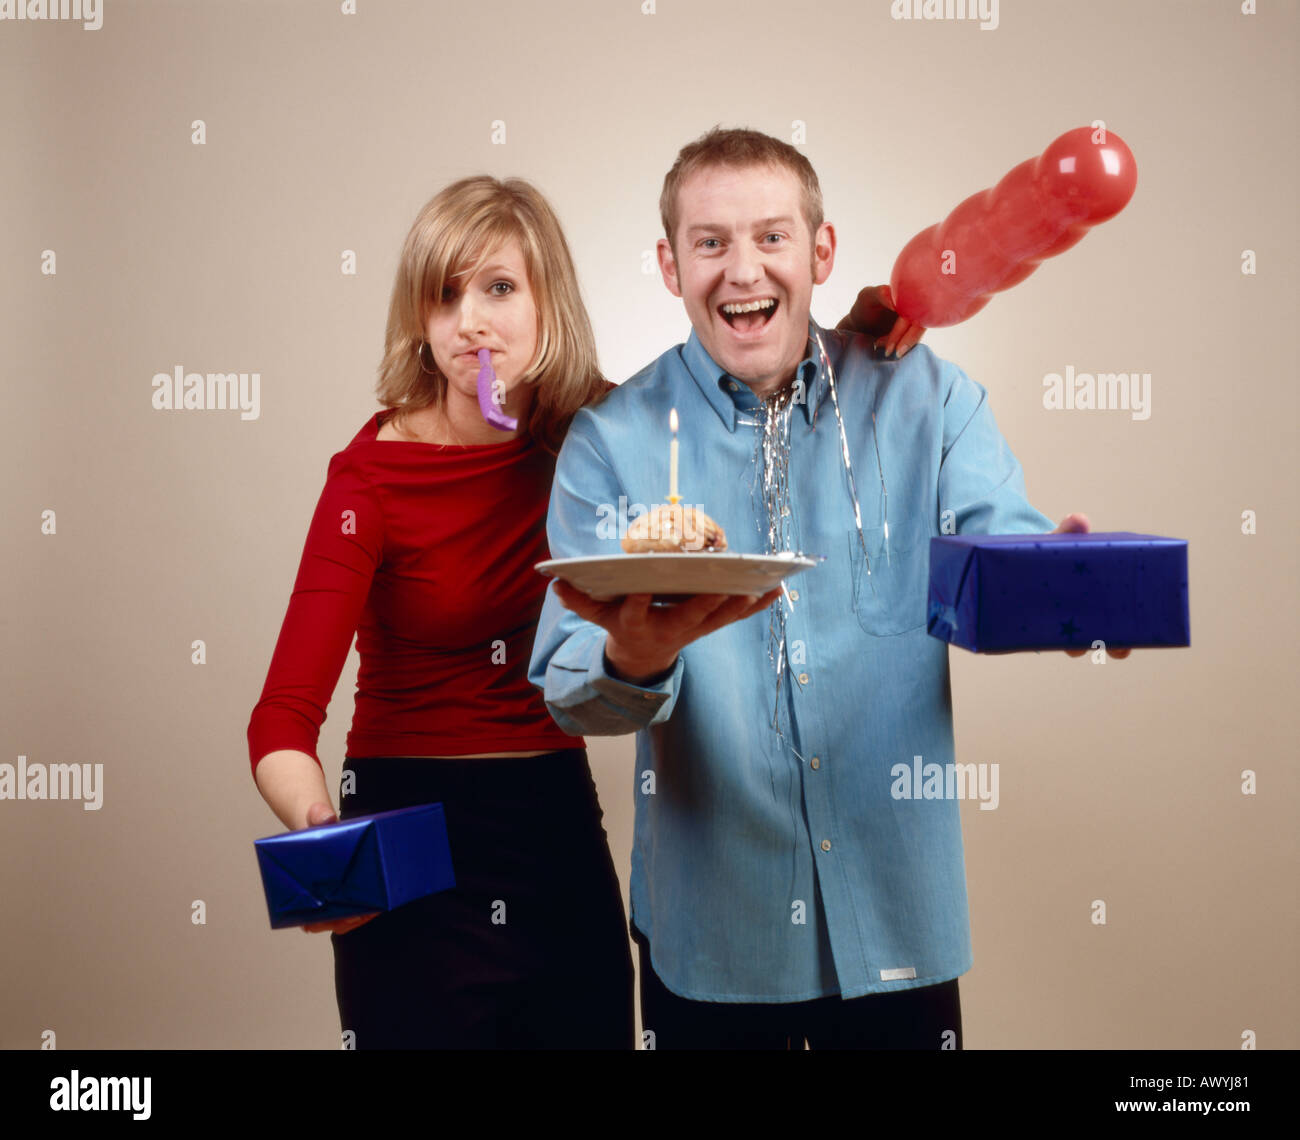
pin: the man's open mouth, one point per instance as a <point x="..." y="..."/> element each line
<point x="749" y="316"/>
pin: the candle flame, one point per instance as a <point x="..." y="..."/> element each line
<point x="672" y="421"/>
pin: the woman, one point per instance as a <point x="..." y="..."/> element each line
<point x="423" y="544"/>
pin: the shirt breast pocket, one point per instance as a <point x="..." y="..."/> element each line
<point x="892" y="598"/>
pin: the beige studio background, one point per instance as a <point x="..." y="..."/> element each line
<point x="326" y="132"/>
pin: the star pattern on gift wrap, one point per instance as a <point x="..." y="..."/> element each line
<point x="1068" y="628"/>
<point x="1081" y="568"/>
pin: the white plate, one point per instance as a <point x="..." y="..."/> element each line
<point x="674" y="574"/>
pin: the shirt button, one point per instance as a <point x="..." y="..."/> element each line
<point x="731" y="384"/>
<point x="826" y="844"/>
<point x="803" y="678"/>
<point x="816" y="762"/>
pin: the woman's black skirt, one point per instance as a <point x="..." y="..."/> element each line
<point x="529" y="950"/>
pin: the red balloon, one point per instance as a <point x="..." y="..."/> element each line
<point x="996" y="238"/>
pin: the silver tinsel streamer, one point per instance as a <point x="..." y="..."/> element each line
<point x="848" y="464"/>
<point x="772" y="461"/>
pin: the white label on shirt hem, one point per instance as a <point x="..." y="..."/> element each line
<point x="897" y="975"/>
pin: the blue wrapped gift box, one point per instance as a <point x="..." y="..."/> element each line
<point x="369" y="863"/>
<point x="995" y="593"/>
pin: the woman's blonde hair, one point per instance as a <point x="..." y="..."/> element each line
<point x="455" y="232"/>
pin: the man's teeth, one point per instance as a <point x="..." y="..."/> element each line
<point x="749" y="307"/>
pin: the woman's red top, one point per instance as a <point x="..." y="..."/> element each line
<point x="426" y="553"/>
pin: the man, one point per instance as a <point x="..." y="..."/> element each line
<point x="779" y="893"/>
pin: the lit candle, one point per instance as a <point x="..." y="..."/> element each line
<point x="673" y="496"/>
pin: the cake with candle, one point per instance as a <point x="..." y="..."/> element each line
<point x="671" y="528"/>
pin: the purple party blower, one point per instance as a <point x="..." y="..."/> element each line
<point x="486" y="405"/>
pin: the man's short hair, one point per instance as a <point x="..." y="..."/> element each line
<point x="739" y="148"/>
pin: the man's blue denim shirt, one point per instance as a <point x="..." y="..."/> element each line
<point x="758" y="876"/>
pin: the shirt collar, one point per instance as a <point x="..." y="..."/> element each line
<point x="727" y="395"/>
